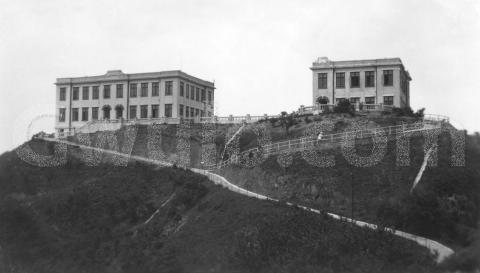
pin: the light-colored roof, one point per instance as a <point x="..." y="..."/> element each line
<point x="118" y="75"/>
<point x="324" y="62"/>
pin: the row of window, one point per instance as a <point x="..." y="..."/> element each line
<point x="387" y="100"/>
<point x="83" y="113"/>
<point x="191" y="92"/>
<point x="355" y="79"/>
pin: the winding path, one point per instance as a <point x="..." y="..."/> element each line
<point x="434" y="247"/>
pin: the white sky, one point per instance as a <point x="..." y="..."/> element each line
<point x="258" y="52"/>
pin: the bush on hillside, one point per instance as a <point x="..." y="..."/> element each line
<point x="345" y="106"/>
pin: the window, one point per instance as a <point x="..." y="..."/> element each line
<point x="322" y="80"/>
<point x="192" y="112"/>
<point x="202" y="113"/>
<point x="210" y="97"/>
<point x="168" y="110"/>
<point x="63" y="94"/>
<point x="154" y="110"/>
<point x="75" y="93"/>
<point x="354" y="79"/>
<point x="192" y="92"/>
<point x="388" y="100"/>
<point x="133" y="111"/>
<point x="94" y="113"/>
<point x="203" y="95"/>
<point x="187" y="111"/>
<point x="197" y="94"/>
<point x="188" y="92"/>
<point x="119" y="91"/>
<point x="197" y="112"/>
<point x="182" y="89"/>
<point x="340" y="99"/>
<point x="133" y="90"/>
<point x="369" y="100"/>
<point x="168" y="88"/>
<point x="144" y="89"/>
<point x="106" y="91"/>
<point x="85" y="92"/>
<point x="340" y="80"/>
<point x="74" y="114"/>
<point x="387" y="77"/>
<point x="155" y="90"/>
<point x="369" y="79"/>
<point x="354" y="100"/>
<point x="143" y="111"/>
<point x="61" y="115"/>
<point x="95" y="93"/>
<point x="180" y="110"/>
<point x="84" y="113"/>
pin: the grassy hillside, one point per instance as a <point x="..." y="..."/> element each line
<point x="77" y="218"/>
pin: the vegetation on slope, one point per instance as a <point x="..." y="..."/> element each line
<point x="91" y="219"/>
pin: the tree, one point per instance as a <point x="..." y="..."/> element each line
<point x="345" y="106"/>
<point x="322" y="100"/>
<point x="286" y="120"/>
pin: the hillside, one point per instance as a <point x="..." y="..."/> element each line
<point x="77" y="218"/>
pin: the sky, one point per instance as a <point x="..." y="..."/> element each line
<point x="257" y="52"/>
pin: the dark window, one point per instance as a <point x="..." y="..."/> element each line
<point x="74" y="114"/>
<point x="155" y="90"/>
<point x="168" y="110"/>
<point x="187" y="111"/>
<point x="61" y="115"/>
<point x="197" y="94"/>
<point x="202" y="113"/>
<point x="322" y="80"/>
<point x="340" y="99"/>
<point x="168" y="88"/>
<point x="369" y="100"/>
<point x="387" y="77"/>
<point x="94" y="113"/>
<point x="63" y="93"/>
<point x="85" y="93"/>
<point x="133" y="90"/>
<point x="106" y="91"/>
<point x="95" y="93"/>
<point x="155" y="111"/>
<point x="388" y="100"/>
<point x="197" y="112"/>
<point x="340" y="80"/>
<point x="84" y="113"/>
<point x="143" y="111"/>
<point x="192" y="92"/>
<point x="180" y="110"/>
<point x="133" y="111"/>
<point x="119" y="90"/>
<point x="144" y="89"/>
<point x="354" y="79"/>
<point x="204" y="95"/>
<point x="188" y="91"/>
<point x="369" y="78"/>
<point x="354" y="100"/>
<point x="209" y="97"/>
<point x="192" y="112"/>
<point x="106" y="111"/>
<point x="75" y="93"/>
<point x="182" y="89"/>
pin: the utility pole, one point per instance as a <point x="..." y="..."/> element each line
<point x="351" y="193"/>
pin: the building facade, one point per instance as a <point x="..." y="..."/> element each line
<point x="378" y="81"/>
<point x="120" y="96"/>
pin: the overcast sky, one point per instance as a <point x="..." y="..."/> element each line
<point x="257" y="52"/>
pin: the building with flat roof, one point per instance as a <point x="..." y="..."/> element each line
<point x="138" y="96"/>
<point x="378" y="81"/>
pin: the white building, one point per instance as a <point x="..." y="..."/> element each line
<point x="378" y="81"/>
<point x="166" y="95"/>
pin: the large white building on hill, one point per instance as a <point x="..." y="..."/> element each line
<point x="139" y="96"/>
<point x="378" y="81"/>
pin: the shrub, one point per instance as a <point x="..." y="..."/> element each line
<point x="344" y="106"/>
